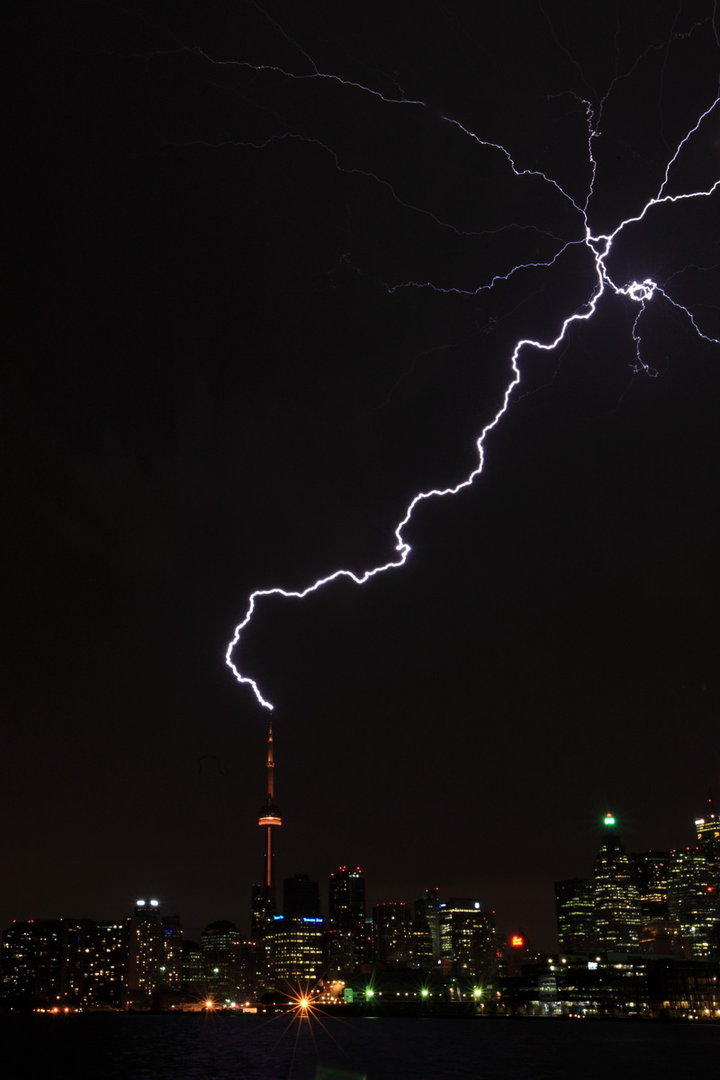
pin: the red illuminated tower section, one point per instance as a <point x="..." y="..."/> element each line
<point x="263" y="898"/>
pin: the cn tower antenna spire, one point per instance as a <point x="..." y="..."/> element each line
<point x="270" y="764"/>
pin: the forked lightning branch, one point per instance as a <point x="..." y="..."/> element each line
<point x="643" y="294"/>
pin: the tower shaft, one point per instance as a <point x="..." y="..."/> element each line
<point x="268" y="820"/>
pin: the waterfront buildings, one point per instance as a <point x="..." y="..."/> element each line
<point x="120" y="963"/>
<point x="639" y="937"/>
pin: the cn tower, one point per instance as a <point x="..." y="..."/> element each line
<point x="263" y="900"/>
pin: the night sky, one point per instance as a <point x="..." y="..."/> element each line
<point x="211" y="386"/>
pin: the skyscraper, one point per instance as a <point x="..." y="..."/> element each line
<point x="296" y="938"/>
<point x="575" y="915"/>
<point x="707" y="830"/>
<point x="223" y="954"/>
<point x="659" y="933"/>
<point x="392" y="932"/>
<point x="301" y="898"/>
<point x="263" y="896"/>
<point x="617" y="909"/>
<point x="692" y="900"/>
<point x="218" y="959"/>
<point x="109" y="961"/>
<point x="427" y="948"/>
<point x="296" y="949"/>
<point x="32" y="962"/>
<point x="171" y="967"/>
<point x="346" y="919"/>
<point x="145" y="953"/>
<point x="650" y="871"/>
<point x="467" y="934"/>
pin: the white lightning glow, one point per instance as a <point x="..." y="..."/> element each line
<point x="600" y="247"/>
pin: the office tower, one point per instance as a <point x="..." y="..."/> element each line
<point x="467" y="937"/>
<point x="707" y="830"/>
<point x="392" y="933"/>
<point x="617" y="910"/>
<point x="650" y="870"/>
<point x="301" y="898"/>
<point x="193" y="973"/>
<point x="421" y="950"/>
<point x="346" y="935"/>
<point x="296" y="939"/>
<point x="220" y="942"/>
<point x="251" y="971"/>
<point x="297" y="950"/>
<point x="574" y="910"/>
<point x="426" y="929"/>
<point x="693" y="901"/>
<point x="263" y="896"/>
<point x="145" y="953"/>
<point x="659" y="934"/>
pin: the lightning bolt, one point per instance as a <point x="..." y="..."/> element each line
<point x="598" y="245"/>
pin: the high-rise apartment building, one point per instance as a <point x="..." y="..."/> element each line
<point x="31" y="961"/>
<point x="144" y="953"/>
<point x="108" y="963"/>
<point x="47" y="963"/>
<point x="79" y="946"/>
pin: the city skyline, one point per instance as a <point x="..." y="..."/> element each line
<point x="215" y="383"/>
<point x="336" y="907"/>
<point x="641" y="936"/>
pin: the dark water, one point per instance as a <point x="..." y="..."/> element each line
<point x="122" y="1047"/>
